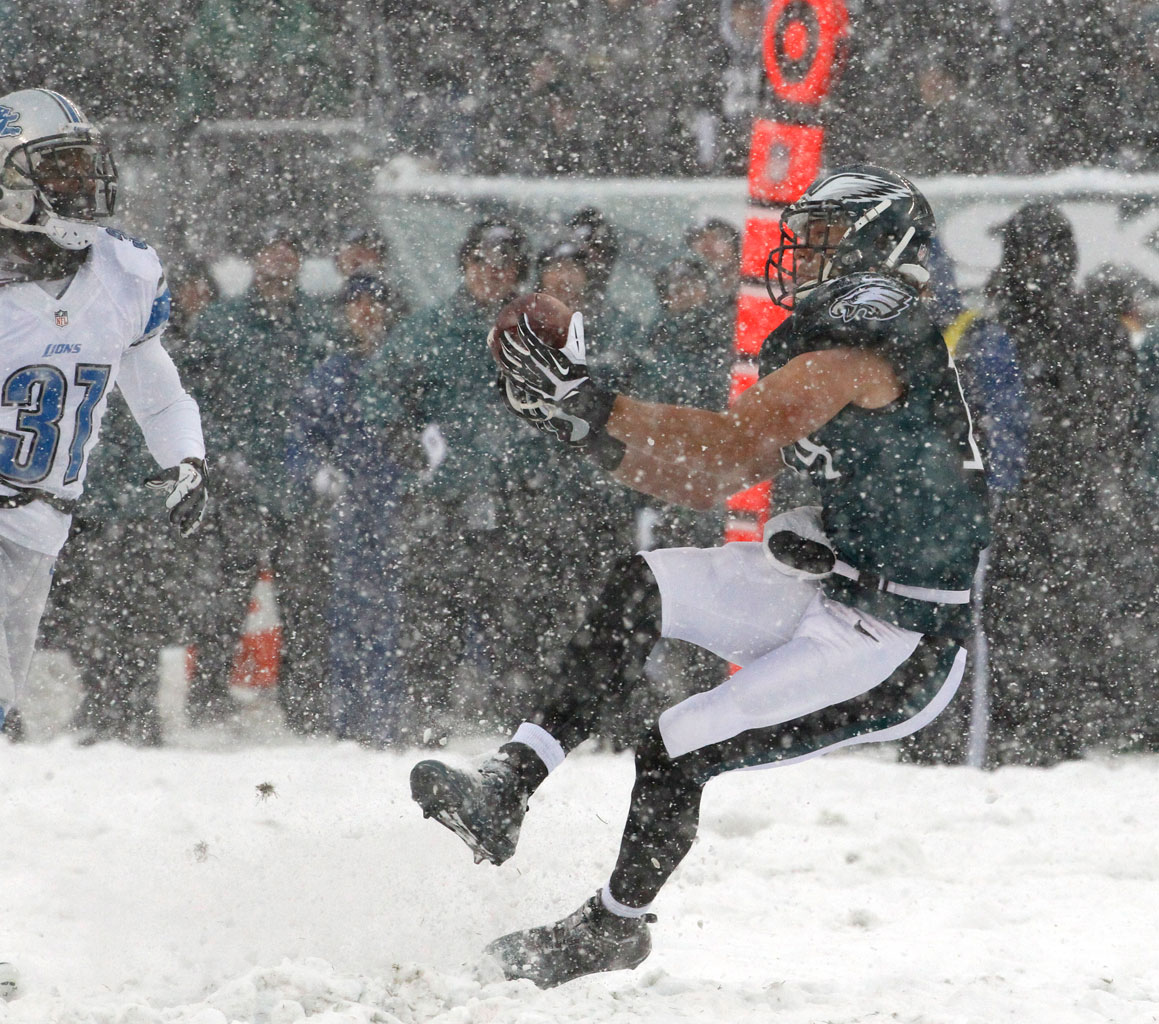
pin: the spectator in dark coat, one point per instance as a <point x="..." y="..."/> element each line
<point x="364" y="250"/>
<point x="458" y="591"/>
<point x="613" y="330"/>
<point x="256" y="350"/>
<point x="359" y="476"/>
<point x="1063" y="604"/>
<point x="225" y="563"/>
<point x="563" y="273"/>
<point x="717" y="242"/>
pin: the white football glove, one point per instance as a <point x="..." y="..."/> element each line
<point x="187" y="487"/>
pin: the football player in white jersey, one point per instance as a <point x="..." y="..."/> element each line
<point x="82" y="309"/>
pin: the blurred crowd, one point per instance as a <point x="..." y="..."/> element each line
<point x="617" y="87"/>
<point x="431" y="554"/>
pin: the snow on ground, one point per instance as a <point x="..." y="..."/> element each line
<point x="142" y="886"/>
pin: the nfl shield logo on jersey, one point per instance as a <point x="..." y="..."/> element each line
<point x="62" y="318"/>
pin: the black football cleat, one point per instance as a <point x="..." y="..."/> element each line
<point x="483" y="806"/>
<point x="590" y="941"/>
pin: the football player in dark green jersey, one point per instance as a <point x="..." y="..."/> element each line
<point x="847" y="621"/>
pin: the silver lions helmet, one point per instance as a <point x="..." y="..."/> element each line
<point x="57" y="175"/>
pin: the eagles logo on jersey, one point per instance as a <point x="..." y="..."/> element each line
<point x="875" y="298"/>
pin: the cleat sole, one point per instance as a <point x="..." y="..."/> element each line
<point x="437" y="792"/>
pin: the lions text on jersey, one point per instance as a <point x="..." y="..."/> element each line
<point x="60" y="358"/>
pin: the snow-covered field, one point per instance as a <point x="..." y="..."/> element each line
<point x="165" y="886"/>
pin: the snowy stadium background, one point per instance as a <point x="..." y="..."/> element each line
<point x="252" y="876"/>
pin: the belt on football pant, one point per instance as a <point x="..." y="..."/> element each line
<point x="872" y="582"/>
<point x="818" y="560"/>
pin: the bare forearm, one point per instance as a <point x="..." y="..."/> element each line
<point x="694" y="439"/>
<point x="696" y="457"/>
<point x="672" y="482"/>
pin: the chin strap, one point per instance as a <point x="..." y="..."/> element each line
<point x="20" y="262"/>
<point x="68" y="234"/>
<point x="915" y="272"/>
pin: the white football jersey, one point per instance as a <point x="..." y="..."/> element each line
<point x="59" y="358"/>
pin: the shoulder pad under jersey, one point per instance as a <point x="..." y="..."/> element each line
<point x="866" y="310"/>
<point x="137" y="265"/>
<point x="130" y="254"/>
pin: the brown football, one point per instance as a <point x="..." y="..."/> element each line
<point x="546" y="316"/>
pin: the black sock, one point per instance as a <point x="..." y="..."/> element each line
<point x="528" y="766"/>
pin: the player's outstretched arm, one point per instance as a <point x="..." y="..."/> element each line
<point x="696" y="457"/>
<point x="683" y="455"/>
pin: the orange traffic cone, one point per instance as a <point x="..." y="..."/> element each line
<point x="259" y="652"/>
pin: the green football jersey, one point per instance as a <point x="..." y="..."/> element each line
<point x="903" y="491"/>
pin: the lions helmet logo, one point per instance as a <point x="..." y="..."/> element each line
<point x="9" y="122"/>
<point x="877" y="299"/>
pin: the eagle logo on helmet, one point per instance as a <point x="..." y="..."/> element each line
<point x="9" y="122"/>
<point x="879" y="299"/>
<point x="859" y="187"/>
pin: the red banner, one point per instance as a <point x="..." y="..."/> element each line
<point x="803" y="47"/>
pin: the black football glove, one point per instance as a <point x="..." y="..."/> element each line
<point x="187" y="487"/>
<point x="551" y="387"/>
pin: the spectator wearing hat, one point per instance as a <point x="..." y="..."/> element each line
<point x="1122" y="294"/>
<point x="457" y="567"/>
<point x="257" y="349"/>
<point x="355" y="477"/>
<point x="562" y="272"/>
<point x="1067" y="600"/>
<point x="717" y="242"/>
<point x="364" y="250"/>
<point x="600" y="244"/>
<point x="607" y="322"/>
